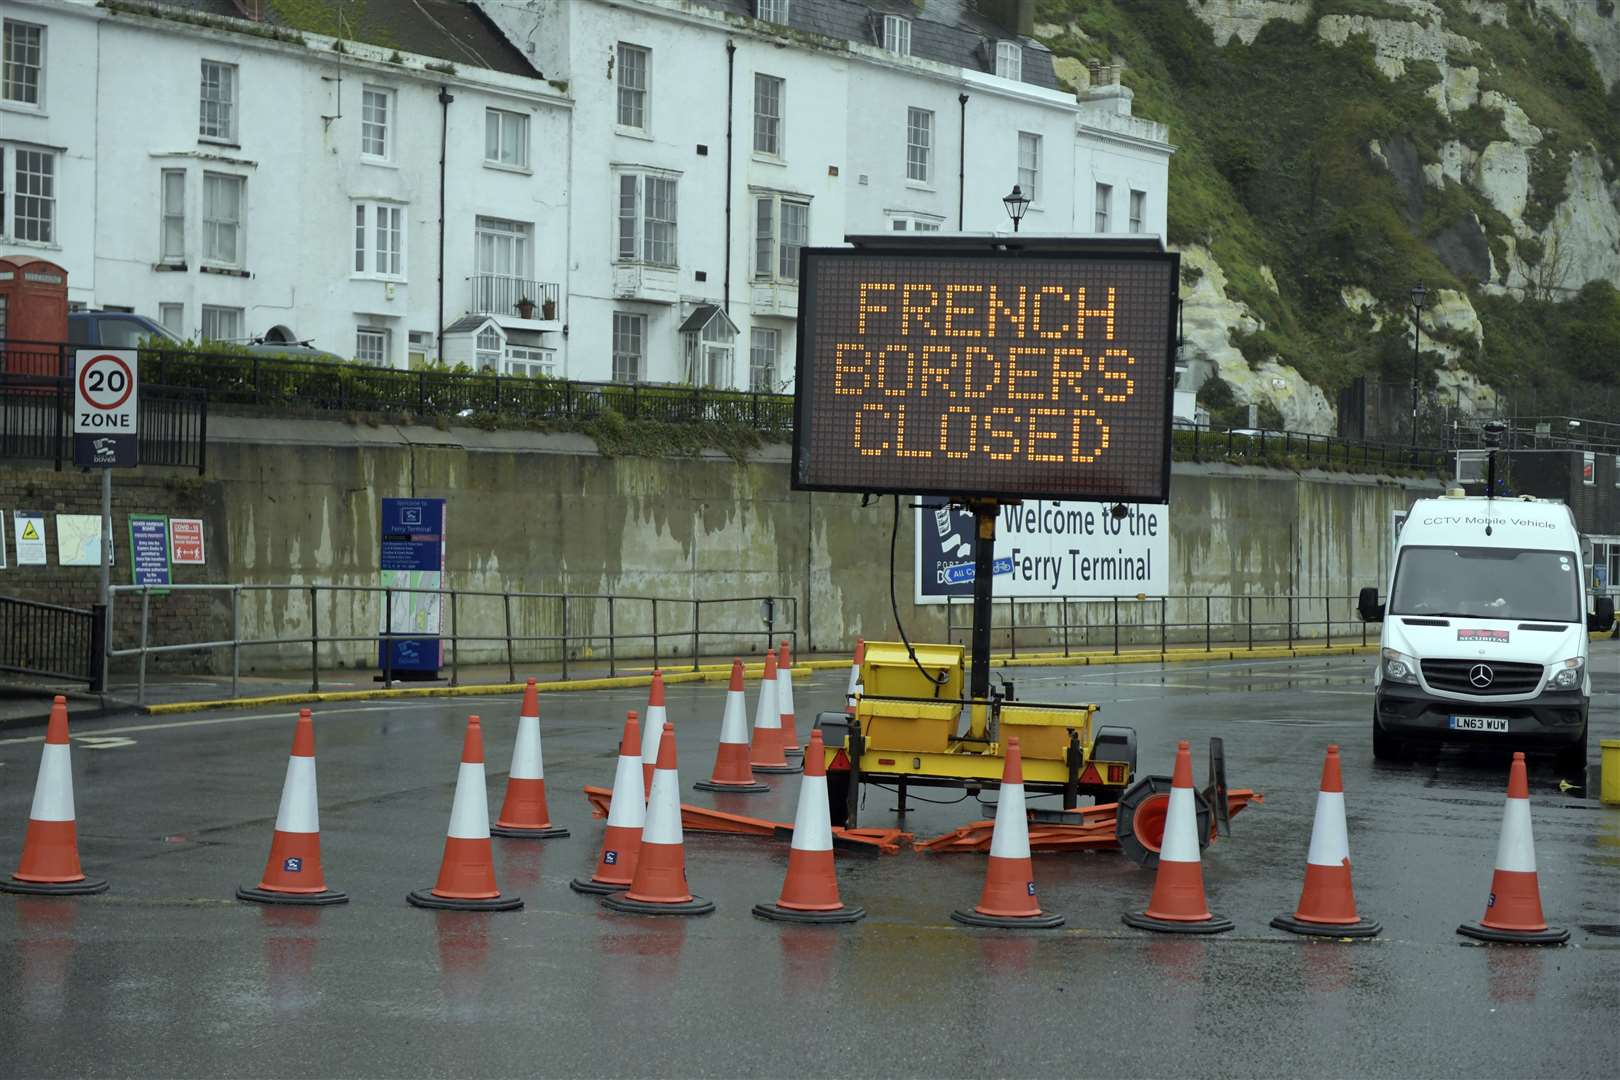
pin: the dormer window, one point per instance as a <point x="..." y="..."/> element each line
<point x="1010" y="60"/>
<point x="897" y="35"/>
<point x="772" y="11"/>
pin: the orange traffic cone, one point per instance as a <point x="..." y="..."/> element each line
<point x="653" y="731"/>
<point x="50" y="856"/>
<point x="627" y="813"/>
<point x="810" y="891"/>
<point x="293" y="873"/>
<point x="766" y="754"/>
<point x="1513" y="912"/>
<point x="854" y="690"/>
<point x="467" y="872"/>
<point x="731" y="770"/>
<point x="524" y="812"/>
<point x="1008" y="899"/>
<point x="1327" y="906"/>
<point x="660" y="886"/>
<point x="784" y="701"/>
<point x="1178" y="905"/>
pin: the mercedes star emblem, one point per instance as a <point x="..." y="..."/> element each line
<point x="1480" y="675"/>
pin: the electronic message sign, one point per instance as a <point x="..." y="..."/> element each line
<point x="1043" y="373"/>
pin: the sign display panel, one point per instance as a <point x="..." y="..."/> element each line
<point x="1042" y="374"/>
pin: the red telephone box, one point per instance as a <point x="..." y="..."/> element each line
<point x="33" y="309"/>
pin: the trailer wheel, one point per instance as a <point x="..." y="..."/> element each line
<point x="1139" y="824"/>
<point x="838" y="798"/>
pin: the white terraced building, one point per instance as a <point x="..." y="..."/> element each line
<point x="624" y="185"/>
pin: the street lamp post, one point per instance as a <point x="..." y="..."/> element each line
<point x="1418" y="295"/>
<point x="1016" y="203"/>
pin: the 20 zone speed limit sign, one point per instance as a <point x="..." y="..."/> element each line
<point x="105" y="413"/>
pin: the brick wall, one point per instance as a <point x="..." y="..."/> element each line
<point x="174" y="617"/>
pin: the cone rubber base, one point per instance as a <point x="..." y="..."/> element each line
<point x="1363" y="928"/>
<point x="777" y="913"/>
<point x="1479" y="932"/>
<point x="1215" y="924"/>
<point x="546" y="833"/>
<point x="307" y="899"/>
<point x="60" y="888"/>
<point x="424" y="898"/>
<point x="743" y="789"/>
<point x="620" y="901"/>
<point x="1044" y="921"/>
<point x="598" y="888"/>
<point x="776" y="768"/>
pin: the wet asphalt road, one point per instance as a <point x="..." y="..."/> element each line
<point x="167" y="975"/>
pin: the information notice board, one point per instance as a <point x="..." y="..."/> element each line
<point x="411" y="556"/>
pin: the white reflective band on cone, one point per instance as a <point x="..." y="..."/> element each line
<point x="53" y="790"/>
<point x="652" y="733"/>
<point x="469" y="814"/>
<point x="1330" y="846"/>
<point x="299" y="811"/>
<point x="663" y="809"/>
<point x="1010" y="840"/>
<point x="767" y="716"/>
<point x="1516" y="850"/>
<point x="734" y="721"/>
<point x="526" y="762"/>
<point x="784" y="692"/>
<point x="812" y="825"/>
<point x="1180" y="828"/>
<point x="627" y="809"/>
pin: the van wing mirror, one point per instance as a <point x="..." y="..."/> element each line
<point x="1601" y="620"/>
<point x="1368" y="607"/>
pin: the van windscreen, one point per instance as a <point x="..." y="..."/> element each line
<point x="1487" y="583"/>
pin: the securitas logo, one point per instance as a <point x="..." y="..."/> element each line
<point x="1499" y="636"/>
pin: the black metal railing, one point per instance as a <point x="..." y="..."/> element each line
<point x="502" y="294"/>
<point x="1199" y="442"/>
<point x="50" y="641"/>
<point x="36" y="422"/>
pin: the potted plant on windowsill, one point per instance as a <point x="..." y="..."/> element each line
<point x="548" y="309"/>
<point x="525" y="307"/>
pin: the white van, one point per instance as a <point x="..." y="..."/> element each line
<point x="1485" y="631"/>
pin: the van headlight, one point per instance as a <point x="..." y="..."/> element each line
<point x="1398" y="667"/>
<point x="1567" y="673"/>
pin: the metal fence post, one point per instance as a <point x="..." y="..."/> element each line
<point x="236" y="637"/>
<point x="612" y="641"/>
<point x="314" y="640"/>
<point x="1207" y="643"/>
<point x="655" y="632"/>
<point x="1290" y="620"/>
<point x="98" y="649"/>
<point x="1064" y="606"/>
<point x="455" y="641"/>
<point x="1250" y="599"/>
<point x="565" y="637"/>
<point x="387" y="639"/>
<point x="1327" y="609"/>
<point x="1164" y="614"/>
<point x="511" y="669"/>
<point x="1116" y="626"/>
<point x="146" y="606"/>
<point x="1012" y="626"/>
<point x="697" y="611"/>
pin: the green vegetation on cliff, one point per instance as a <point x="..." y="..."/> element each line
<point x="1274" y="167"/>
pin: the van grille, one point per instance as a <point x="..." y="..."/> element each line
<point x="1457" y="676"/>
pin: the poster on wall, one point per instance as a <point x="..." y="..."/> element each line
<point x="1589" y="468"/>
<point x="149" y="549"/>
<point x="1047" y="550"/>
<point x="411" y="556"/>
<point x="186" y="542"/>
<point x="78" y="540"/>
<point x="29" y="528"/>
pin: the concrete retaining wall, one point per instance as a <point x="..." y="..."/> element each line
<point x="297" y="503"/>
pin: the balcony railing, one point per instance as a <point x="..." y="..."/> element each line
<point x="499" y="294"/>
